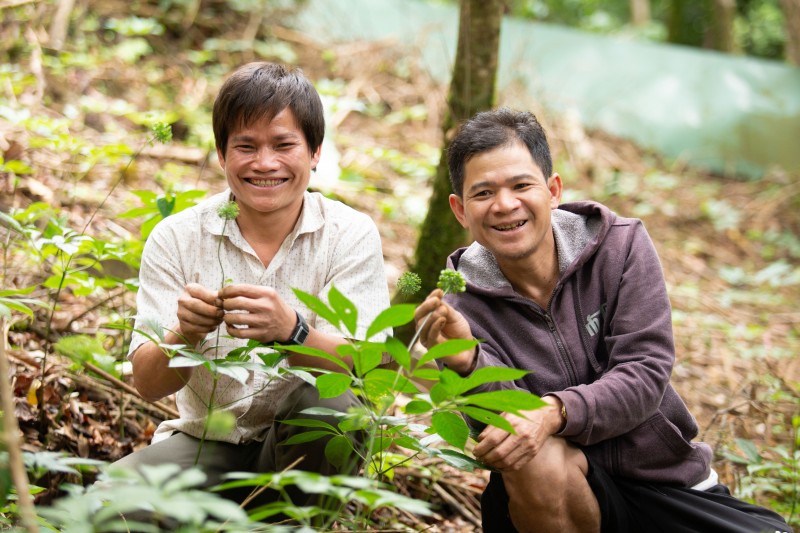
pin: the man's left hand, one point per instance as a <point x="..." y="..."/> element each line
<point x="256" y="312"/>
<point x="505" y="451"/>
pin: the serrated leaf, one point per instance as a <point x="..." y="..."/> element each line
<point x="490" y="374"/>
<point x="306" y="436"/>
<point x="416" y="407"/>
<point x="447" y="348"/>
<point x="451" y="427"/>
<point x="506" y="400"/>
<point x="338" y="450"/>
<point x="345" y="310"/>
<point x="460" y="460"/>
<point x="392" y="317"/>
<point x="399" y="352"/>
<point x="315" y="352"/>
<point x="318" y="307"/>
<point x="488" y="417"/>
<point x="365" y="356"/>
<point x="333" y="384"/>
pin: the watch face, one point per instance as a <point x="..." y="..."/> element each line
<point x="300" y="330"/>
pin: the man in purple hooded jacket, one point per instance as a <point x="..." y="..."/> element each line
<point x="574" y="294"/>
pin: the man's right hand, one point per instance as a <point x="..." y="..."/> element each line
<point x="199" y="313"/>
<point x="444" y="323"/>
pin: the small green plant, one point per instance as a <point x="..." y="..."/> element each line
<point x="772" y="473"/>
<point x="430" y="420"/>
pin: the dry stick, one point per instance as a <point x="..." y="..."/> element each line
<point x="127" y="388"/>
<point x="463" y="511"/>
<point x="11" y="432"/>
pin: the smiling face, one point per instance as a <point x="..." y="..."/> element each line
<point x="268" y="166"/>
<point x="507" y="203"/>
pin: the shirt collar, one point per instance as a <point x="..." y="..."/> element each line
<point x="311" y="217"/>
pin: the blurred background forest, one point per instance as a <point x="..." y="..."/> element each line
<point x="87" y="169"/>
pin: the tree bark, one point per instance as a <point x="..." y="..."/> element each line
<point x="640" y="12"/>
<point x="791" y="14"/>
<point x="472" y="89"/>
<point x="722" y="25"/>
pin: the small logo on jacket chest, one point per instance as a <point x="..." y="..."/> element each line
<point x="594" y="320"/>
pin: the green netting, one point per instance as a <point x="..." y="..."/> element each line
<point x="719" y="112"/>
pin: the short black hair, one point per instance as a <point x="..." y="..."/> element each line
<point x="488" y="130"/>
<point x="262" y="90"/>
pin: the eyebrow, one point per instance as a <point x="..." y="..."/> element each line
<point x="511" y="180"/>
<point x="250" y="138"/>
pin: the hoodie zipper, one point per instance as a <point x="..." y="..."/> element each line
<point x="562" y="351"/>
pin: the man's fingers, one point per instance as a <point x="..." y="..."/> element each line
<point x="204" y="294"/>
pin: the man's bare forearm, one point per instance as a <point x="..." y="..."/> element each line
<point x="152" y="375"/>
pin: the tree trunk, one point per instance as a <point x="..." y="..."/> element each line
<point x="472" y="89"/>
<point x="722" y="25"/>
<point x="640" y="12"/>
<point x="791" y="14"/>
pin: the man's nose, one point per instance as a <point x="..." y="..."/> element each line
<point x="265" y="160"/>
<point x="505" y="200"/>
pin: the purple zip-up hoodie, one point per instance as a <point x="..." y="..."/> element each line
<point x="604" y="344"/>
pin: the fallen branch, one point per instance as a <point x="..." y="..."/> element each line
<point x="11" y="438"/>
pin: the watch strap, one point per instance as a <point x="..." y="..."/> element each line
<point x="300" y="331"/>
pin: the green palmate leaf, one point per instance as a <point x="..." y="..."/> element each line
<point x="451" y="347"/>
<point x="490" y="374"/>
<point x="345" y="310"/>
<point x="451" y="427"/>
<point x="306" y="436"/>
<point x="446" y="389"/>
<point x="487" y="417"/>
<point x="365" y="355"/>
<point x="307" y="350"/>
<point x="399" y="352"/>
<point x="333" y="384"/>
<point x="416" y="407"/>
<point x="394" y="316"/>
<point x="383" y="382"/>
<point x="318" y="307"/>
<point x="338" y="450"/>
<point x="506" y="400"/>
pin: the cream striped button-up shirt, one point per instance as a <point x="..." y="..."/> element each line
<point x="331" y="244"/>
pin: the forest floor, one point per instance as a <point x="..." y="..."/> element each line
<point x="729" y="247"/>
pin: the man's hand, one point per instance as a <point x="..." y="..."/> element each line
<point x="256" y="312"/>
<point x="199" y="313"/>
<point x="504" y="451"/>
<point x="444" y="323"/>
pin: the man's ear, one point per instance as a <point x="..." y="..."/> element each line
<point x="221" y="158"/>
<point x="315" y="157"/>
<point x="457" y="206"/>
<point x="556" y="188"/>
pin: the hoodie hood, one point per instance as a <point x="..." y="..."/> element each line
<point x="578" y="229"/>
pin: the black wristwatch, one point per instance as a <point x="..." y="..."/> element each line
<point x="300" y="331"/>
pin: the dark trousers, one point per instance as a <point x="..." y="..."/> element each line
<point x="219" y="458"/>
<point x="633" y="507"/>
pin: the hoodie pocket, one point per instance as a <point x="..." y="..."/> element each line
<point x="656" y="451"/>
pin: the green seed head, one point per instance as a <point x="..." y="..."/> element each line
<point x="451" y="281"/>
<point x="409" y="283"/>
<point x="229" y="210"/>
<point x="162" y="132"/>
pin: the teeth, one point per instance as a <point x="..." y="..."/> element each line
<point x="506" y="227"/>
<point x="265" y="183"/>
